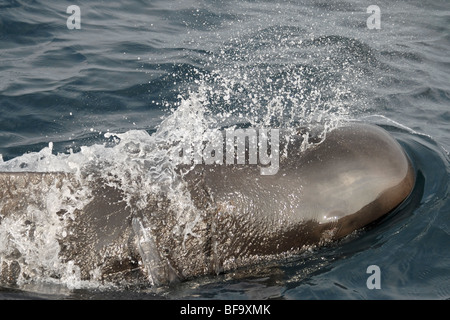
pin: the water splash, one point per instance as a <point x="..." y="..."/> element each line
<point x="261" y="80"/>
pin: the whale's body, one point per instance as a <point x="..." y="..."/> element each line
<point x="355" y="176"/>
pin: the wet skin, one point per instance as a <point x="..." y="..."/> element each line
<point x="355" y="176"/>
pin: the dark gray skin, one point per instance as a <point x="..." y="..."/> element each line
<point x="355" y="176"/>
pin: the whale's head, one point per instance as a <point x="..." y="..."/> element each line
<point x="356" y="175"/>
<point x="237" y="215"/>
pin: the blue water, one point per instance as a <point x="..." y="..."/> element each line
<point x="132" y="64"/>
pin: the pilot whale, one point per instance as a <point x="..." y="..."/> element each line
<point x="239" y="217"/>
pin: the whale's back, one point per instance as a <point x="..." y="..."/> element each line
<point x="239" y="217"/>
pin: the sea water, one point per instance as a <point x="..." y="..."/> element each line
<point x="111" y="85"/>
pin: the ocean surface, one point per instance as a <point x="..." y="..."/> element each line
<point x="73" y="86"/>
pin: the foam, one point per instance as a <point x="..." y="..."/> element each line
<point x="140" y="164"/>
